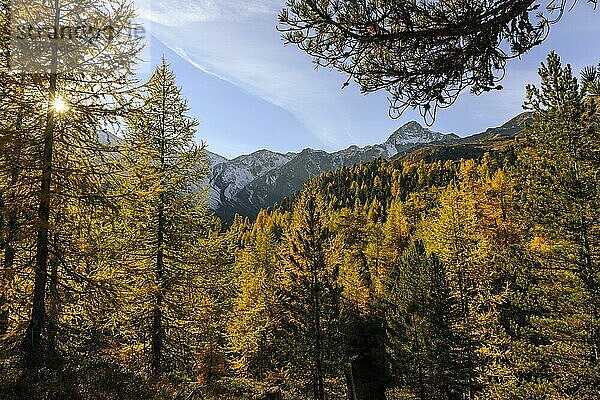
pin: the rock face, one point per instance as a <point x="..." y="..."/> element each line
<point x="251" y="182"/>
<point x="228" y="177"/>
<point x="248" y="183"/>
<point x="412" y="133"/>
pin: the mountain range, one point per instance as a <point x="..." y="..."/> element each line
<point x="248" y="183"/>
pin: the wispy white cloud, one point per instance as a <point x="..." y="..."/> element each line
<point x="237" y="42"/>
<point x="175" y="12"/>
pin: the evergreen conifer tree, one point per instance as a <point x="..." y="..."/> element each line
<point x="420" y="317"/>
<point x="558" y="172"/>
<point x="309" y="301"/>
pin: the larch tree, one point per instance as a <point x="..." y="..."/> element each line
<point x="175" y="259"/>
<point x="16" y="148"/>
<point x="450" y="238"/>
<point x="396" y="230"/>
<point x="69" y="89"/>
<point x="167" y="223"/>
<point x="252" y="323"/>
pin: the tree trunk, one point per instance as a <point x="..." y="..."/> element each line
<point x="53" y="301"/>
<point x="157" y="323"/>
<point x="9" y="257"/>
<point x="33" y="335"/>
<point x="350" y="387"/>
<point x="8" y="265"/>
<point x="319" y="385"/>
<point x="421" y="380"/>
<point x="157" y="318"/>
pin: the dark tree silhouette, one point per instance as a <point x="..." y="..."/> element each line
<point x="423" y="53"/>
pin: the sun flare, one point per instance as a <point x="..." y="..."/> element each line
<point x="60" y="105"/>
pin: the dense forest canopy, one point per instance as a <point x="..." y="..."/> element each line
<point x="476" y="278"/>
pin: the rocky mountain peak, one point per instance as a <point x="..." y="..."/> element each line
<point x="414" y="133"/>
<point x="248" y="183"/>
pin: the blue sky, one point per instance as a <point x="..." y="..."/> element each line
<point x="249" y="91"/>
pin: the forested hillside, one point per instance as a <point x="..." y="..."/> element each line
<point x="249" y="183"/>
<point x="446" y="274"/>
<point x="457" y="279"/>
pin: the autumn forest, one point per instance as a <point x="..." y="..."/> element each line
<point x="455" y="278"/>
